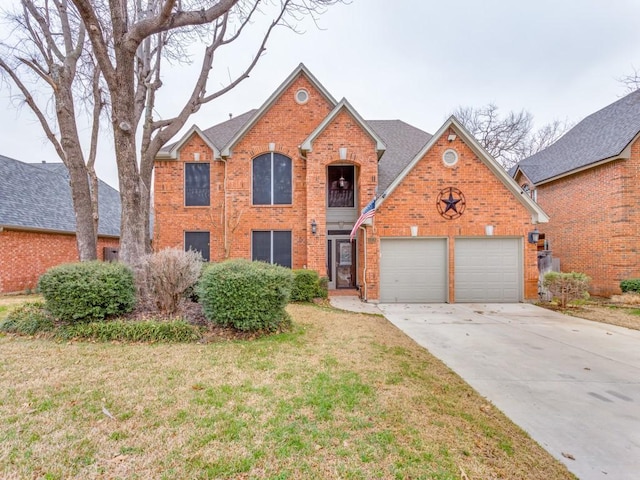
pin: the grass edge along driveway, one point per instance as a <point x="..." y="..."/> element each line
<point x="343" y="395"/>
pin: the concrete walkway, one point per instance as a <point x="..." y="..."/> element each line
<point x="572" y="384"/>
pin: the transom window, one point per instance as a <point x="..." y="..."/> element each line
<point x="271" y="246"/>
<point x="272" y="179"/>
<point x="197" y="184"/>
<point x="340" y="186"/>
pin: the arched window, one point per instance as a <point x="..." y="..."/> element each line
<point x="272" y="179"/>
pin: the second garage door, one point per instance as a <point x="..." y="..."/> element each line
<point x="488" y="270"/>
<point x="413" y="270"/>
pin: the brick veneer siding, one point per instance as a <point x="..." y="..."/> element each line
<point x="488" y="202"/>
<point x="25" y="255"/>
<point x="594" y="224"/>
<point x="287" y="124"/>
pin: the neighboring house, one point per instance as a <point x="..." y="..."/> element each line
<point x="588" y="183"/>
<point x="286" y="182"/>
<point x="37" y="221"/>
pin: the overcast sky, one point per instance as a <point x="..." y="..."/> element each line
<point x="414" y="60"/>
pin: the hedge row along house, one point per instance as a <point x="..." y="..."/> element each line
<point x="587" y="182"/>
<point x="286" y="183"/>
<point x="37" y="222"/>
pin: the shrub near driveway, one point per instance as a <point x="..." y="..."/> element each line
<point x="248" y="296"/>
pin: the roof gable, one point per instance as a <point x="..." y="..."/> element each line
<point x="225" y="151"/>
<point x="602" y="136"/>
<point x="307" y="144"/>
<point x="537" y="214"/>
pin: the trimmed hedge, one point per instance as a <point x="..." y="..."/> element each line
<point x="247" y="296"/>
<point x="306" y="285"/>
<point x="630" y="285"/>
<point x="88" y="290"/>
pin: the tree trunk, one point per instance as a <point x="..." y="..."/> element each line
<point x="86" y="231"/>
<point x="134" y="193"/>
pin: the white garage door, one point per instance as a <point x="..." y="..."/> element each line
<point x="488" y="270"/>
<point x="413" y="270"/>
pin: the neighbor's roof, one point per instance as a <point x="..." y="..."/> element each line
<point x="601" y="136"/>
<point x="37" y="196"/>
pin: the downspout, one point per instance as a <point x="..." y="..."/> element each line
<point x="224" y="208"/>
<point x="364" y="271"/>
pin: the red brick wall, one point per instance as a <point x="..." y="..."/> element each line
<point x="488" y="202"/>
<point x="24" y="256"/>
<point x="287" y="124"/>
<point x="594" y="222"/>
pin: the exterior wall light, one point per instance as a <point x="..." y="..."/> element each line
<point x="314" y="226"/>
<point x="534" y="235"/>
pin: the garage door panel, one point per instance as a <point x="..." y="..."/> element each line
<point x="488" y="270"/>
<point x="413" y="270"/>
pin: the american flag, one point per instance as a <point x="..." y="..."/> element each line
<point x="367" y="212"/>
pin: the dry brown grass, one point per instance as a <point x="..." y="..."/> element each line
<point x="342" y="396"/>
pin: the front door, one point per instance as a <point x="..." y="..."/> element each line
<point x="342" y="262"/>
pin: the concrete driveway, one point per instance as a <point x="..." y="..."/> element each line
<point x="572" y="384"/>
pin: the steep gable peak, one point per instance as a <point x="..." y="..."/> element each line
<point x="343" y="105"/>
<point x="300" y="70"/>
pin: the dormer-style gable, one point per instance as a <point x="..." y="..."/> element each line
<point x="454" y="129"/>
<point x="344" y="105"/>
<point x="226" y="150"/>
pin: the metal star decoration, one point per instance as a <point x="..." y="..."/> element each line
<point x="451" y="203"/>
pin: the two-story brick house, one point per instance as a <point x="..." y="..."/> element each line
<point x="285" y="183"/>
<point x="587" y="181"/>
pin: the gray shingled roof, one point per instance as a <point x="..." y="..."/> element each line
<point x="38" y="196"/>
<point x="603" y="134"/>
<point x="403" y="143"/>
<point x="402" y="140"/>
<point x="222" y="133"/>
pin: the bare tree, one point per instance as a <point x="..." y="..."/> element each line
<point x="511" y="138"/>
<point x="631" y="82"/>
<point x="130" y="40"/>
<point x="47" y="52"/>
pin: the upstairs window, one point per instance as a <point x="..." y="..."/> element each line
<point x="197" y="178"/>
<point x="341" y="186"/>
<point x="272" y="179"/>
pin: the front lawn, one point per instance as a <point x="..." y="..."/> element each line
<point x="343" y="395"/>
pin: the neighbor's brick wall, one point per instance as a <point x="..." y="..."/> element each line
<point x="488" y="202"/>
<point x="594" y="226"/>
<point x="24" y="256"/>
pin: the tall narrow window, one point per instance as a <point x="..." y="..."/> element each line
<point x="272" y="179"/>
<point x="197" y="178"/>
<point x="199" y="242"/>
<point x="340" y="186"/>
<point x="272" y="246"/>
